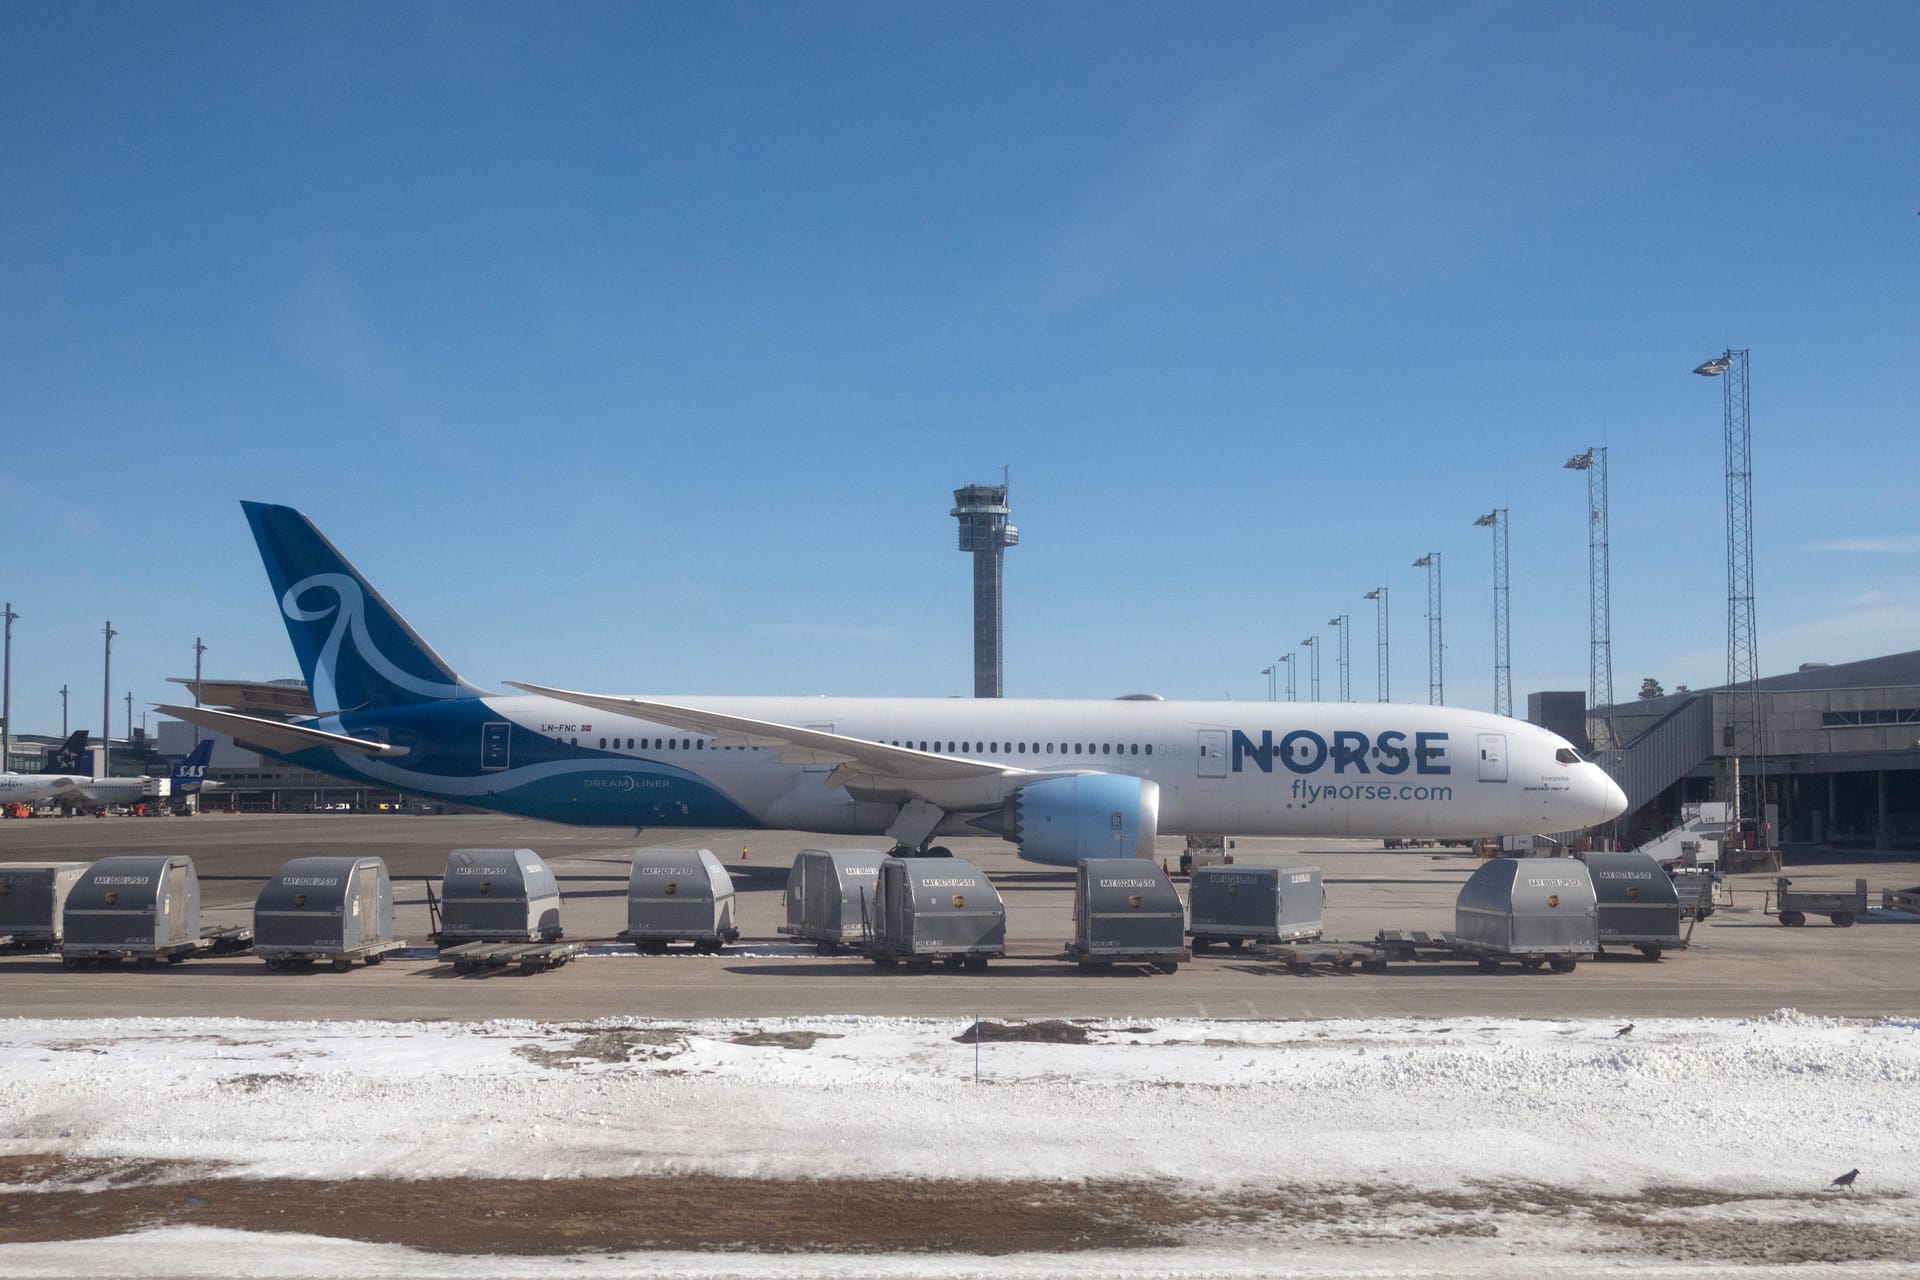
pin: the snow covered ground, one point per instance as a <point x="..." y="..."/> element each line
<point x="1449" y="1146"/>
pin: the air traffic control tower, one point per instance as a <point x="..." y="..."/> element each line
<point x="982" y="512"/>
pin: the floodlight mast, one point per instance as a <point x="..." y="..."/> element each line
<point x="1313" y="652"/>
<point x="106" y="703"/>
<point x="1343" y="623"/>
<point x="1744" y="731"/>
<point x="1502" y="615"/>
<point x="1436" y="686"/>
<point x="1379" y="596"/>
<point x="1599" y="599"/>
<point x="1291" y="665"/>
<point x="6" y="695"/>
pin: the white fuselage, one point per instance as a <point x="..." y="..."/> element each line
<point x="1226" y="768"/>
<point x="72" y="788"/>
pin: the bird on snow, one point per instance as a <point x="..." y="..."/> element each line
<point x="1624" y="1031"/>
<point x="1844" y="1180"/>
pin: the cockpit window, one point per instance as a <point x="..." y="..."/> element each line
<point x="1567" y="755"/>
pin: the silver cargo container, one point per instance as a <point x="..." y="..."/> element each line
<point x="1237" y="905"/>
<point x="1126" y="909"/>
<point x="325" y="908"/>
<point x="1529" y="908"/>
<point x="498" y="895"/>
<point x="679" y="895"/>
<point x="931" y="909"/>
<point x="1639" y="906"/>
<point x="33" y="897"/>
<point x="140" y="905"/>
<point x="830" y="896"/>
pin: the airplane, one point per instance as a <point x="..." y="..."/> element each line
<point x="1062" y="780"/>
<point x="74" y="788"/>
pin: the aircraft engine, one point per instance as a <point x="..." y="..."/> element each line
<point x="1087" y="815"/>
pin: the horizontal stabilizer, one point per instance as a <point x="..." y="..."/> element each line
<point x="273" y="735"/>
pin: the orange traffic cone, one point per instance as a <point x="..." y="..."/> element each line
<point x="743" y="853"/>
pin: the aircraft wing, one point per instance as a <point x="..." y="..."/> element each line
<point x="876" y="760"/>
<point x="72" y="790"/>
<point x="273" y="735"/>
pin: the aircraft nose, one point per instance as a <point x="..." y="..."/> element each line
<point x="1613" y="801"/>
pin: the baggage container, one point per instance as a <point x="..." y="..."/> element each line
<point x="1238" y="905"/>
<point x="33" y="898"/>
<point x="336" y="909"/>
<point x="830" y="894"/>
<point x="679" y="895"/>
<point x="140" y="906"/>
<point x="1638" y="905"/>
<point x="1125" y="910"/>
<point x="498" y="895"/>
<point x="929" y="909"/>
<point x="1528" y="908"/>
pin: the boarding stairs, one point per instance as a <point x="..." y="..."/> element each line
<point x="1696" y="842"/>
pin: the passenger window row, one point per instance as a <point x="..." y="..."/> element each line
<point x="1022" y="748"/>
<point x="668" y="744"/>
<point x="951" y="747"/>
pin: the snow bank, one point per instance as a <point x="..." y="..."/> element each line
<point x="1768" y="1104"/>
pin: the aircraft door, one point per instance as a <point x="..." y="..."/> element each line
<point x="495" y="745"/>
<point x="1493" y="757"/>
<point x="1213" y="753"/>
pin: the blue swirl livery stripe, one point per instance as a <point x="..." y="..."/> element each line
<point x="549" y="779"/>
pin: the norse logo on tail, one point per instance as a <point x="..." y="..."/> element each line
<point x="355" y="651"/>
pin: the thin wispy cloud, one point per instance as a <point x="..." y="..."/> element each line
<point x="829" y="631"/>
<point x="1884" y="544"/>
<point x="1225" y="159"/>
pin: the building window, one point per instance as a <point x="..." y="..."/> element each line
<point x="1869" y="719"/>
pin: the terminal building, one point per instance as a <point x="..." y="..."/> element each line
<point x="1840" y="753"/>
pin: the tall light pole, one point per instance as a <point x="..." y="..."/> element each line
<point x="1436" y="685"/>
<point x="1599" y="597"/>
<point x="1291" y="666"/>
<point x="63" y="711"/>
<point x="1745" y="728"/>
<point x="1313" y="654"/>
<point x="1496" y="520"/>
<point x="198" y="649"/>
<point x="1272" y="674"/>
<point x="1379" y="596"/>
<point x="6" y="696"/>
<point x="129" y="715"/>
<point x="106" y="704"/>
<point x="1343" y="622"/>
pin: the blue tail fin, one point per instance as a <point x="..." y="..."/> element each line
<point x="355" y="651"/>
<point x="192" y="771"/>
<point x="70" y="756"/>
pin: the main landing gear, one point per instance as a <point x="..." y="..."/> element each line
<point x="931" y="851"/>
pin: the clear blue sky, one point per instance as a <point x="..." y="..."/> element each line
<point x="639" y="347"/>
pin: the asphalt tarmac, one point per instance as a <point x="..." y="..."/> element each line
<point x="1741" y="961"/>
